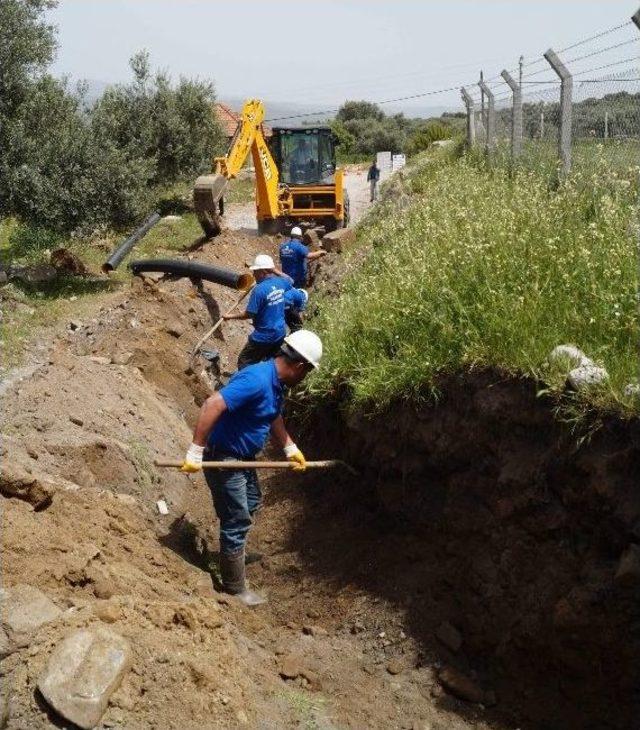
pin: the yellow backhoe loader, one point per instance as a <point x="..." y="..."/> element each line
<point x="297" y="182"/>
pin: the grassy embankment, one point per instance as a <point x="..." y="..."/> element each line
<point x="479" y="268"/>
<point x="32" y="309"/>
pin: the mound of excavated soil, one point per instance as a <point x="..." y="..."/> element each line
<point x="80" y="523"/>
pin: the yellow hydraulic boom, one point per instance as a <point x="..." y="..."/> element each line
<point x="311" y="194"/>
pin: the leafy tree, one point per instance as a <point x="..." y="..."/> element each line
<point x="359" y="110"/>
<point x="27" y="45"/>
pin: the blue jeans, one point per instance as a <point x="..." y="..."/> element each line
<point x="236" y="497"/>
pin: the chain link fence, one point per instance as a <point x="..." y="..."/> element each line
<point x="556" y="105"/>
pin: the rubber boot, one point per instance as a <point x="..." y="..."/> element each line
<point x="232" y="569"/>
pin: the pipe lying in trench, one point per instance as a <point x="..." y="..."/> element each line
<point x="123" y="249"/>
<point x="194" y="270"/>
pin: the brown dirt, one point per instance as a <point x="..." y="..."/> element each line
<point x="478" y="513"/>
<point x="80" y="523"/>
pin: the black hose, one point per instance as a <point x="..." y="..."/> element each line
<point x="194" y="270"/>
<point x="123" y="249"/>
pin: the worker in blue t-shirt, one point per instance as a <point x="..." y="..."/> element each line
<point x="266" y="309"/>
<point x="294" y="256"/>
<point x="295" y="302"/>
<point x="234" y="424"/>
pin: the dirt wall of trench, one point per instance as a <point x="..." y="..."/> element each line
<point x="493" y="516"/>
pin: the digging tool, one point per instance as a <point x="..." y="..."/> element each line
<point x="327" y="464"/>
<point x="216" y="326"/>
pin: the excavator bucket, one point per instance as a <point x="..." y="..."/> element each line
<point x="207" y="194"/>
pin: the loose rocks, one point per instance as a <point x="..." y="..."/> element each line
<point x="24" y="610"/>
<point x="83" y="672"/>
<point x="449" y="636"/>
<point x="460" y="685"/>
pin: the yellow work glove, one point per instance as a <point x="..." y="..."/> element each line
<point x="295" y="456"/>
<point x="193" y="460"/>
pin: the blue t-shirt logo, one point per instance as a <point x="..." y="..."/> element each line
<point x="266" y="307"/>
<point x="293" y="259"/>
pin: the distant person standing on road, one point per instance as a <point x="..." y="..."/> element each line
<point x="294" y="256"/>
<point x="372" y="178"/>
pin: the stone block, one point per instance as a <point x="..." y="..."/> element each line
<point x="24" y="610"/>
<point x="82" y="674"/>
<point x="336" y="241"/>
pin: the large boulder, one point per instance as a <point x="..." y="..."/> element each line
<point x="83" y="672"/>
<point x="24" y="610"/>
<point x="336" y="241"/>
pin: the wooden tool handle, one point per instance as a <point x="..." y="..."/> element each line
<point x="327" y="464"/>
<point x="208" y="334"/>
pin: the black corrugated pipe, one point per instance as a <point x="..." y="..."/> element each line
<point x="123" y="249"/>
<point x="194" y="270"/>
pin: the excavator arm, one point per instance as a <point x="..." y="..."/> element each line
<point x="209" y="189"/>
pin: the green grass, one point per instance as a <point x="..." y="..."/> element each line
<point x="489" y="267"/>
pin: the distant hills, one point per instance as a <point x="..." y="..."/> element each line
<point x="291" y="114"/>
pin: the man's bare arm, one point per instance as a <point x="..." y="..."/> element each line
<point x="209" y="415"/>
<point x="279" y="433"/>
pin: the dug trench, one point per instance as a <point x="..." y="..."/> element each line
<point x="480" y="572"/>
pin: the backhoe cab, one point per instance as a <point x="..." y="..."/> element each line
<point x="297" y="182"/>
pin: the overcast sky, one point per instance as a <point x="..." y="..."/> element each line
<point x="322" y="52"/>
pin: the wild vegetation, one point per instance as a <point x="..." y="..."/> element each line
<point x="69" y="167"/>
<point x="474" y="266"/>
<point x="363" y="129"/>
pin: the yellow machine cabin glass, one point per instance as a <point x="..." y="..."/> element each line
<point x="305" y="157"/>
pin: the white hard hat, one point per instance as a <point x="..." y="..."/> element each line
<point x="306" y="344"/>
<point x="296" y="231"/>
<point x="262" y="261"/>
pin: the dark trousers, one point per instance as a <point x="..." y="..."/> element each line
<point x="254" y="352"/>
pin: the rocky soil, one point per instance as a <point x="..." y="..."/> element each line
<point x="480" y="573"/>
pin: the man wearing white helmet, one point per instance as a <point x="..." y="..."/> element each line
<point x="234" y="424"/>
<point x="266" y="310"/>
<point x="294" y="257"/>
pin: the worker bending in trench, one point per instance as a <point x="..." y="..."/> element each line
<point x="266" y="310"/>
<point x="234" y="424"/>
<point x="295" y="302"/>
<point x="294" y="258"/>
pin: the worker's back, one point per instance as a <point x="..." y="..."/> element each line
<point x="266" y="307"/>
<point x="293" y="260"/>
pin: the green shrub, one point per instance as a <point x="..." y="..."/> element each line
<point x="426" y="135"/>
<point x="30" y="242"/>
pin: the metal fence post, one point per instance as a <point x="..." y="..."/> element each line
<point x="491" y="116"/>
<point x="566" y="93"/>
<point x="516" y="114"/>
<point x="471" y="116"/>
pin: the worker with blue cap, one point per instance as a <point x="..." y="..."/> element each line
<point x="295" y="302"/>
